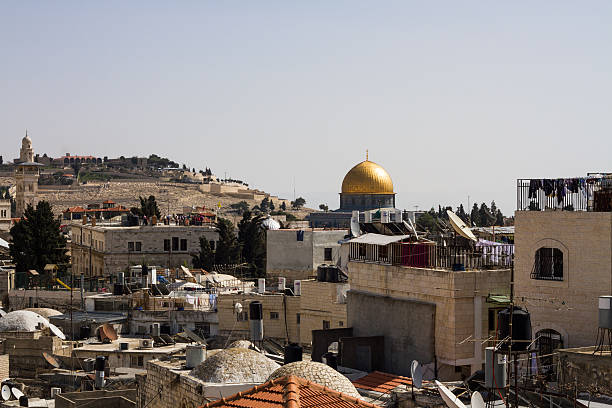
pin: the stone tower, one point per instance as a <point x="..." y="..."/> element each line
<point x="26" y="177"/>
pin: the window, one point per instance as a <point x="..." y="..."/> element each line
<point x="183" y="244"/>
<point x="3" y="213"/>
<point x="166" y="245"/>
<point x="548" y="264"/>
<point x="130" y="246"/>
<point x="298" y="318"/>
<point x="273" y="315"/>
<point x="327" y="254"/>
<point x="175" y="243"/>
<point x="138" y="246"/>
<point x="326" y="324"/>
<point x="242" y="316"/>
<point x="340" y="323"/>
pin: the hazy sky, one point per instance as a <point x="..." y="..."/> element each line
<point x="453" y="98"/>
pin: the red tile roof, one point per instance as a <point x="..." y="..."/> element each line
<point x="290" y="392"/>
<point x="381" y="382"/>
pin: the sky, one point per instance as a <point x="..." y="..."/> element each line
<point x="456" y="100"/>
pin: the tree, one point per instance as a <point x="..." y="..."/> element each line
<point x="475" y="216"/>
<point x="36" y="242"/>
<point x="298" y="203"/>
<point x="272" y="206"/>
<point x="462" y="214"/>
<point x="251" y="237"/>
<point x="499" y="218"/>
<point x="205" y="257"/>
<point x="427" y="222"/>
<point x="148" y="207"/>
<point x="484" y="214"/>
<point x="1" y="161"/>
<point x="227" y="251"/>
<point x="264" y="206"/>
<point x="283" y="206"/>
<point x="240" y="207"/>
<point x="323" y="207"/>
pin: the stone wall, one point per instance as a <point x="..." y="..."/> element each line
<point x="54" y="299"/>
<point x="25" y="355"/>
<point x="5" y="366"/>
<point x="568" y="306"/>
<point x="321" y="301"/>
<point x="592" y="373"/>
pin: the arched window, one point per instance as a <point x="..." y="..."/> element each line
<point x="548" y="264"/>
<point x="547" y="341"/>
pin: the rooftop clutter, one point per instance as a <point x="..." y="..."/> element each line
<point x="22" y="321"/>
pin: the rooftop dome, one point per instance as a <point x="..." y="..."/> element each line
<point x="318" y="373"/>
<point x="22" y="321"/>
<point x="271" y="224"/>
<point x="240" y="344"/>
<point x="367" y="178"/>
<point x="44" y="311"/>
<point x="235" y="365"/>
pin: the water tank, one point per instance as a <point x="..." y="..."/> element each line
<point x="117" y="289"/>
<point x="84" y="332"/>
<point x="256" y="320"/>
<point x="521" y="329"/>
<point x="23" y="401"/>
<point x="194" y="355"/>
<point x="293" y="353"/>
<point x="155" y="330"/>
<point x="322" y="273"/>
<point x="495" y="368"/>
<point x="605" y="312"/>
<point x="332" y="274"/>
<point x="331" y="359"/>
<point x="99" y="367"/>
<point x="261" y="285"/>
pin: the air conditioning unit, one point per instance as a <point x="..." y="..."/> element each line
<point x="281" y="283"/>
<point x="261" y="285"/>
<point x="146" y="343"/>
<point x="368" y="217"/>
<point x="385" y="216"/>
<point x="297" y="288"/>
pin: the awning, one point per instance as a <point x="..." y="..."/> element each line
<point x="501" y="299"/>
<point x="378" y="239"/>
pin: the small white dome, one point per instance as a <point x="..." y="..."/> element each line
<point x="22" y="321"/>
<point x="235" y="365"/>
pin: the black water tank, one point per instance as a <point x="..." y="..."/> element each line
<point x="84" y="332"/>
<point x="100" y="363"/>
<point x="521" y="329"/>
<point x="255" y="311"/>
<point x="331" y="359"/>
<point x="332" y="274"/>
<point x="293" y="352"/>
<point x="117" y="289"/>
<point x="23" y="401"/>
<point x="322" y="273"/>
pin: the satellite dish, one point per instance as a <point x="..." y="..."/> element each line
<point x="17" y="392"/>
<point x="409" y="225"/>
<point x="459" y="226"/>
<point x="56" y="330"/>
<point x="417" y="374"/>
<point x="2" y="313"/>
<point x="238" y="308"/>
<point x="477" y="400"/>
<point x="6" y="392"/>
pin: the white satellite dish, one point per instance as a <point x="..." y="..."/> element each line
<point x="417" y="374"/>
<point x="56" y="330"/>
<point x="2" y="313"/>
<point x="355" y="230"/>
<point x="477" y="400"/>
<point x="17" y="392"/>
<point x="459" y="226"/>
<point x="238" y="308"/>
<point x="6" y="392"/>
<point x="449" y="398"/>
<point x="411" y="227"/>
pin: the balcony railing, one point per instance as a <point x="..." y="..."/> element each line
<point x="590" y="193"/>
<point x="432" y="255"/>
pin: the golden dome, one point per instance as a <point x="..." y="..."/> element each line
<point x="367" y="178"/>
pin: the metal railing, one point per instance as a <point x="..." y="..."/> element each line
<point x="570" y="194"/>
<point x="431" y="255"/>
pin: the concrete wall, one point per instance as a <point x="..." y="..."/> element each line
<point x="321" y="301"/>
<point x="54" y="299"/>
<point x="459" y="298"/>
<point x="407" y="326"/>
<point x="293" y="259"/>
<point x="569" y="306"/>
<point x="95" y="399"/>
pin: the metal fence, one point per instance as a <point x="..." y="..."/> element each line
<point x="431" y="255"/>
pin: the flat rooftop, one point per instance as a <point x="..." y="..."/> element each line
<point x="134" y="347"/>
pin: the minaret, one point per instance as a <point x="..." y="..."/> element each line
<point x="26" y="177"/>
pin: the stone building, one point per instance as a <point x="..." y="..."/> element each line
<point x="366" y="186"/>
<point x="5" y="215"/>
<point x="103" y="250"/>
<point x="296" y="254"/>
<point x="26" y="177"/>
<point x="563" y="261"/>
<point x="425" y="312"/>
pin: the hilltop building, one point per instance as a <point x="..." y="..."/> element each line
<point x="367" y="186"/>
<point x="26" y="177"/>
